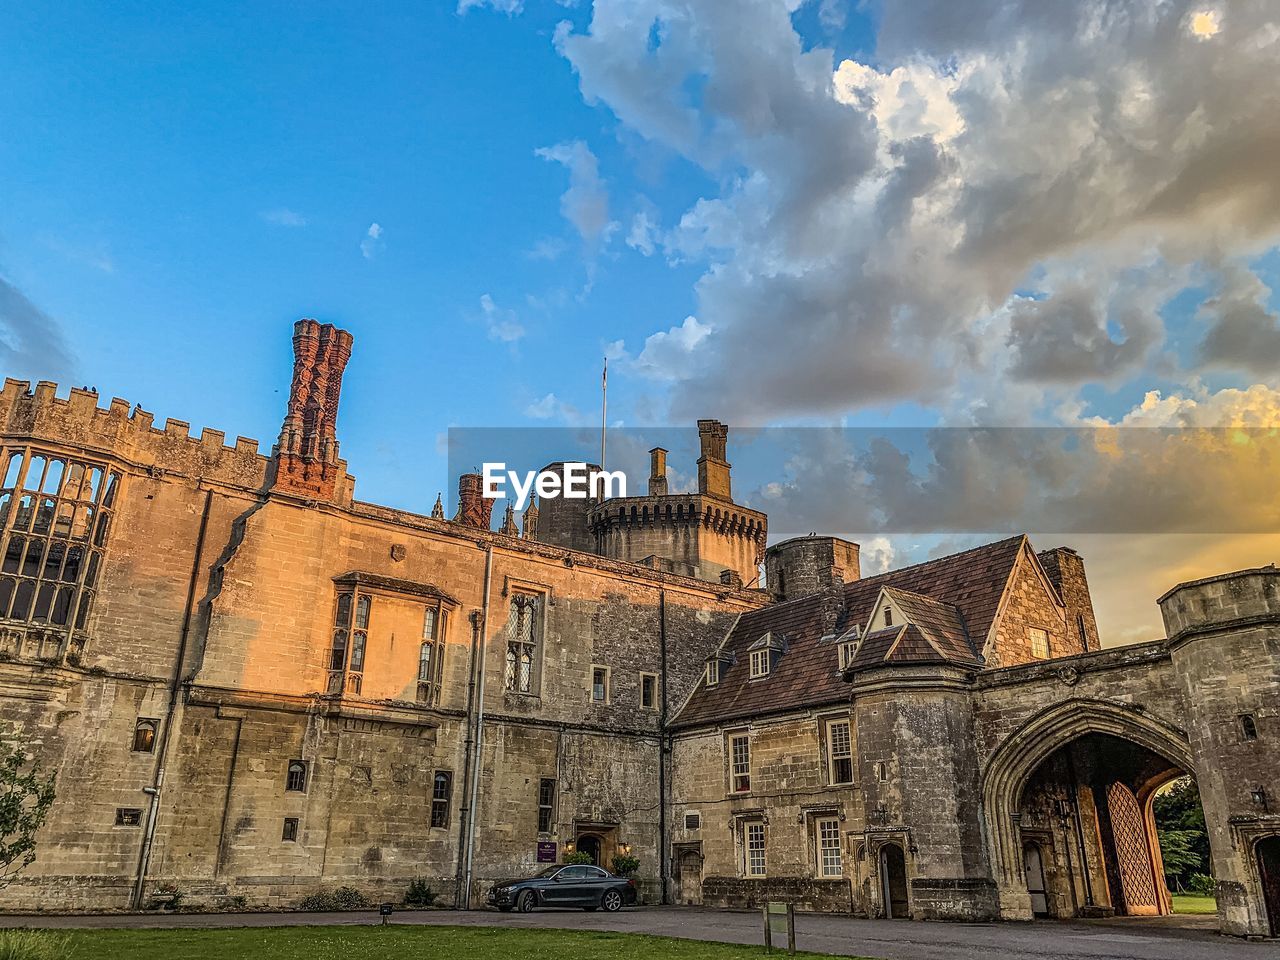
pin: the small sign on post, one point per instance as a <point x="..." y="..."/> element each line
<point x="385" y="910"/>
<point x="779" y="925"/>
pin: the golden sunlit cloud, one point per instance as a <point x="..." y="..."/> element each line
<point x="1205" y="23"/>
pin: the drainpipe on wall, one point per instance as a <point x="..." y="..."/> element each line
<point x="168" y="723"/>
<point x="478" y="737"/>
<point x="465" y="782"/>
<point x="664" y="745"/>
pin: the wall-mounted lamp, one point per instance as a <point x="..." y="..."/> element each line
<point x="1259" y="797"/>
<point x="568" y="846"/>
<point x="624" y="849"/>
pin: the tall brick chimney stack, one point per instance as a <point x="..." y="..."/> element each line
<point x="657" y="472"/>
<point x="307" y="452"/>
<point x="713" y="468"/>
<point x="474" y="510"/>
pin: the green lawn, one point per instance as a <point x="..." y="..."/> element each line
<point x="391" y="943"/>
<point x="1189" y="904"/>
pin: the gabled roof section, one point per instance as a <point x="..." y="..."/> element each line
<point x="950" y="604"/>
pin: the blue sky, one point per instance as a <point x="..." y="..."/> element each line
<point x="988" y="212"/>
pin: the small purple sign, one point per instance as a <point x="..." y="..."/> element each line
<point x="546" y="851"/>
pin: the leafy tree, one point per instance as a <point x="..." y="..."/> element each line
<point x="579" y="858"/>
<point x="625" y="865"/>
<point x="25" y="799"/>
<point x="1184" y="839"/>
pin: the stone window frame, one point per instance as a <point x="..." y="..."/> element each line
<point x="348" y="649"/>
<point x="534" y="643"/>
<point x="829" y="740"/>
<point x="142" y="743"/>
<point x="432" y="650"/>
<point x="605" y="687"/>
<point x="66" y="514"/>
<point x="826" y="827"/>
<point x="441" y="798"/>
<point x="296" y="776"/>
<point x="654" y="701"/>
<point x="292" y="827"/>
<point x="1247" y="724"/>
<point x="548" y="790"/>
<point x="754" y="834"/>
<point x="739" y="767"/>
<point x="881" y="771"/>
<point x="1038" y="640"/>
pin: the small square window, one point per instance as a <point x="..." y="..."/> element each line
<point x="693" y="821"/>
<point x="144" y="736"/>
<point x="296" y="778"/>
<point x="648" y="691"/>
<point x="128" y="817"/>
<point x="290" y="834"/>
<point x="599" y="684"/>
<point x="1039" y="643"/>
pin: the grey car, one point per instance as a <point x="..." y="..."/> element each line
<point x="575" y="885"/>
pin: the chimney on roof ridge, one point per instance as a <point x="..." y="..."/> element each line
<point x="713" y="468"/>
<point x="657" y="472"/>
<point x="474" y="509"/>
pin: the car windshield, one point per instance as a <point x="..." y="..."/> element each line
<point x="549" y="873"/>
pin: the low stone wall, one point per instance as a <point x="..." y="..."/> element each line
<point x="960" y="899"/>
<point x="819" y="896"/>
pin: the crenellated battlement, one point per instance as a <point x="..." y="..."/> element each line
<point x="127" y="434"/>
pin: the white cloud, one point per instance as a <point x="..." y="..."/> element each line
<point x="371" y="245"/>
<point x="673" y="354"/>
<point x="501" y="324"/>
<point x="643" y="233"/>
<point x="509" y="7"/>
<point x="283" y="217"/>
<point x="585" y="204"/>
<point x="1013" y="190"/>
<point x="551" y="407"/>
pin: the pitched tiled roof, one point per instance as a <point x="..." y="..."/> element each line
<point x="951" y="601"/>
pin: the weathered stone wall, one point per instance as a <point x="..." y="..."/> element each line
<point x="805" y="566"/>
<point x="1028" y="604"/>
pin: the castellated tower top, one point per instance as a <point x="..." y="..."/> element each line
<point x="307" y="453"/>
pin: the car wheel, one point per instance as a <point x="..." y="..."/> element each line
<point x="611" y="901"/>
<point x="524" y="903"/>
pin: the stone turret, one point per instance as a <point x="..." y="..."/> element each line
<point x="307" y="462"/>
<point x="804" y="566"/>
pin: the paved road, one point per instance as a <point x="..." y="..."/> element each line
<point x="1131" y="938"/>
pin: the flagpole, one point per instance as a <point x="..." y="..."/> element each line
<point x="604" y="406"/>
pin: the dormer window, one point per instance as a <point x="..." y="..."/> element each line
<point x="713" y="672"/>
<point x="847" y="650"/>
<point x="760" y="663"/>
<point x="888" y="616"/>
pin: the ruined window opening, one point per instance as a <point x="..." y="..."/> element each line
<point x="649" y="691"/>
<point x="882" y="771"/>
<point x="296" y="778"/>
<point x="599" y="684"/>
<point x="144" y="736"/>
<point x="1039" y="643"/>
<point x="753" y="848"/>
<point x="435" y="624"/>
<point x="523" y="634"/>
<point x="128" y="817"/>
<point x="1248" y="727"/>
<point x="54" y="517"/>
<point x="740" y="763"/>
<point x="840" y="751"/>
<point x="760" y="663"/>
<point x="829" y="854"/>
<point x="290" y="834"/>
<point x="441" y="793"/>
<point x="546" y="804"/>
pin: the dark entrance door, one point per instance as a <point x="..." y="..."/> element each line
<point x="590" y="845"/>
<point x="1269" y="870"/>
<point x="893" y="882"/>
<point x="1034" y="864"/>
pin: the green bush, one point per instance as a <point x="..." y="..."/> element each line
<point x="579" y="858"/>
<point x="420" y="893"/>
<point x="343" y="898"/>
<point x="1201" y="885"/>
<point x="33" y="945"/>
<point x="625" y="865"/>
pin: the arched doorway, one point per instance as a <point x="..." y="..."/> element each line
<point x="1268" y="851"/>
<point x="590" y="844"/>
<point x="893" y="882"/>
<point x="1033" y="861"/>
<point x="1082" y="775"/>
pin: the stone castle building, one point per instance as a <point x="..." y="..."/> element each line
<point x="253" y="685"/>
